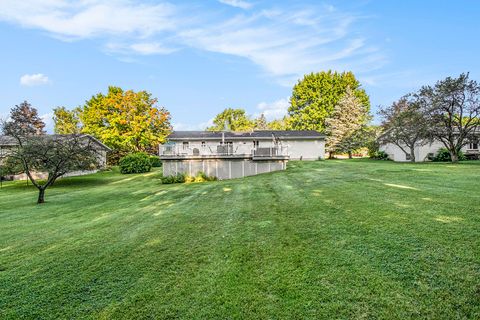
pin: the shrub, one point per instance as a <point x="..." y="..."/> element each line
<point x="443" y="155"/>
<point x="135" y="163"/>
<point x="379" y="155"/>
<point x="182" y="178"/>
<point x="155" y="161"/>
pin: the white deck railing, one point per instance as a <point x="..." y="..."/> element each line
<point x="221" y="150"/>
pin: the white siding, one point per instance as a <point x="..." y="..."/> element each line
<point x="421" y="151"/>
<point x="306" y="149"/>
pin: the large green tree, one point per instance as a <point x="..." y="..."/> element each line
<point x="126" y="121"/>
<point x="66" y="121"/>
<point x="232" y="120"/>
<point x="315" y="96"/>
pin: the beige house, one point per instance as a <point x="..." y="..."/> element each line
<point x="237" y="154"/>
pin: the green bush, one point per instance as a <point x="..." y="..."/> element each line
<point x="182" y="178"/>
<point x="443" y="155"/>
<point x="155" y="161"/>
<point x="135" y="163"/>
<point x="379" y="155"/>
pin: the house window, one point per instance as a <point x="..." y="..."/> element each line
<point x="203" y="144"/>
<point x="408" y="156"/>
<point x="185" y="145"/>
<point x="255" y="144"/>
<point x="473" y="146"/>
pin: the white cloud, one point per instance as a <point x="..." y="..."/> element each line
<point x="288" y="44"/>
<point x="237" y="3"/>
<point x="90" y="18"/>
<point x="48" y="120"/>
<point x="273" y="110"/>
<point x="36" y="79"/>
<point x="285" y="42"/>
<point x="141" y="48"/>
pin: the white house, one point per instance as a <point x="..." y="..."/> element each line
<point x="236" y="154"/>
<point x="7" y="143"/>
<point x="425" y="151"/>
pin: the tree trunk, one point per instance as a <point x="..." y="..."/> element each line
<point x="454" y="156"/>
<point x="331" y="155"/>
<point x="41" y="195"/>
<point x="412" y="154"/>
<point x="350" y="156"/>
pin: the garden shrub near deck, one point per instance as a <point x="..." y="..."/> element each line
<point x="135" y="163"/>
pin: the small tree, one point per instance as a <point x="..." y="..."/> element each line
<point x="452" y="109"/>
<point x="346" y="125"/>
<point x="24" y="121"/>
<point x="66" y="121"/>
<point x="55" y="155"/>
<point x="404" y="125"/>
<point x="232" y="120"/>
<point x="261" y="123"/>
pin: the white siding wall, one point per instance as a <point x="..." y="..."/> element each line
<point x="306" y="149"/>
<point x="421" y="152"/>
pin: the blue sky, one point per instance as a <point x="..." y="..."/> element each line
<point x="199" y="57"/>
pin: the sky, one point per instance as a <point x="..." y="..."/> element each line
<point x="200" y="57"/>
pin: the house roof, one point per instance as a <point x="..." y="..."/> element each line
<point x="10" y="141"/>
<point x="253" y="135"/>
<point x="7" y="141"/>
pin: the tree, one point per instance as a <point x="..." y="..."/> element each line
<point x="232" y="120"/>
<point x="126" y="120"/>
<point x="261" y="123"/>
<point x="24" y="120"/>
<point x="66" y="121"/>
<point x="404" y="125"/>
<point x="52" y="154"/>
<point x="452" y="109"/>
<point x="280" y="124"/>
<point x="346" y="124"/>
<point x="314" y="98"/>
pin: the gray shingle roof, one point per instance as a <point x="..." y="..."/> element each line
<point x="10" y="141"/>
<point x="7" y="141"/>
<point x="260" y="134"/>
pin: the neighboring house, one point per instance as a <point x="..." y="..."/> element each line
<point x="7" y="143"/>
<point x="426" y="150"/>
<point x="229" y="155"/>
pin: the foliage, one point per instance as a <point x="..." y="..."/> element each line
<point x="138" y="162"/>
<point x="335" y="239"/>
<point x="11" y="166"/>
<point x="314" y="98"/>
<point x="404" y="125"/>
<point x="452" y="109"/>
<point x="261" y="123"/>
<point x="55" y="155"/>
<point x="126" y="120"/>
<point x="24" y="121"/>
<point x="379" y="155"/>
<point x="280" y="124"/>
<point x="443" y="155"/>
<point x="183" y="178"/>
<point x="155" y="161"/>
<point x="346" y="126"/>
<point x="66" y="121"/>
<point x="232" y="120"/>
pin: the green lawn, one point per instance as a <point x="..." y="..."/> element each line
<point x="329" y="239"/>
